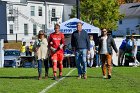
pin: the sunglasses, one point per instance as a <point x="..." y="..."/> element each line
<point x="104" y="31"/>
<point x="41" y="34"/>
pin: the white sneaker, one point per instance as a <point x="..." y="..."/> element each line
<point x="138" y="64"/>
<point x="97" y="66"/>
<point x="135" y="66"/>
<point x="104" y="77"/>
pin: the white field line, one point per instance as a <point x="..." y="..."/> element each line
<point x="48" y="87"/>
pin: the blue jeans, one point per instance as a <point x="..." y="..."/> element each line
<point x="81" y="63"/>
<point x="98" y="62"/>
<point x="46" y="65"/>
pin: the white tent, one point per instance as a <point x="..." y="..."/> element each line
<point x="68" y="27"/>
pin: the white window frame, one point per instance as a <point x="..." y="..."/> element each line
<point x="39" y="11"/>
<point x="53" y="12"/>
<point x="34" y="29"/>
<point x="26" y="29"/>
<point x="11" y="28"/>
<point x="32" y="10"/>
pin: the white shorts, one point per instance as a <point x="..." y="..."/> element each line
<point x="91" y="55"/>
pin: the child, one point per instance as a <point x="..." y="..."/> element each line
<point x="92" y="49"/>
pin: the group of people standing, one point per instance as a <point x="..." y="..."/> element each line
<point x="128" y="45"/>
<point x="83" y="47"/>
<point x="26" y="50"/>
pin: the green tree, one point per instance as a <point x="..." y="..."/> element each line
<point x="101" y="13"/>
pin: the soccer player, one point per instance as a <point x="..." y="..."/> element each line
<point x="56" y="43"/>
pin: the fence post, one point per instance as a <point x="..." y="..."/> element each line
<point x="16" y="37"/>
<point x="1" y="53"/>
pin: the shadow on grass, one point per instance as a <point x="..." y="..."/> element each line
<point x="36" y="77"/>
<point x="87" y="76"/>
<point x="70" y="76"/>
<point x="19" y="77"/>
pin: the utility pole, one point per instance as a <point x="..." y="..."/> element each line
<point x="78" y="8"/>
<point x="45" y="17"/>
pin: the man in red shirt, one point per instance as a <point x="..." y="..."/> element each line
<point x="56" y="43"/>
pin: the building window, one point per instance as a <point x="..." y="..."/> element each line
<point x="53" y="12"/>
<point x="32" y="10"/>
<point x="34" y="29"/>
<point x="23" y="1"/>
<point x="11" y="29"/>
<point x="39" y="11"/>
<point x="11" y="18"/>
<point x="43" y="27"/>
<point x="25" y="29"/>
<point x="120" y="21"/>
<point x="128" y="31"/>
<point x="10" y="9"/>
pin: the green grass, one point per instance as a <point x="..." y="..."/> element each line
<point x="24" y="80"/>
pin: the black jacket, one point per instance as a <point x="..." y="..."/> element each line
<point x="110" y="44"/>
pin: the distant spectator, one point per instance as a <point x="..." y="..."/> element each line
<point x="134" y="49"/>
<point x="66" y="50"/>
<point x="27" y="51"/>
<point x="98" y="62"/>
<point x="23" y="49"/>
<point x="122" y="50"/>
<point x="90" y="56"/>
<point x="31" y="48"/>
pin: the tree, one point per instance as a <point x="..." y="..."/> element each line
<point x="101" y="13"/>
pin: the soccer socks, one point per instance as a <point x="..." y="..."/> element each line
<point x="54" y="68"/>
<point x="60" y="68"/>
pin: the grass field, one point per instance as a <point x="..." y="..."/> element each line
<point x="24" y="80"/>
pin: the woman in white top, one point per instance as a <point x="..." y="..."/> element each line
<point x="133" y="43"/>
<point x="41" y="53"/>
<point x="92" y="49"/>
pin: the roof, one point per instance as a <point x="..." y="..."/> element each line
<point x="58" y="1"/>
<point x="130" y="10"/>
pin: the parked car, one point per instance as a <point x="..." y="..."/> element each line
<point x="11" y="58"/>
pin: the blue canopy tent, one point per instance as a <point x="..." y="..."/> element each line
<point x="68" y="27"/>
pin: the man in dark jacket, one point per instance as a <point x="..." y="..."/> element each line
<point x="81" y="46"/>
<point x="106" y="43"/>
